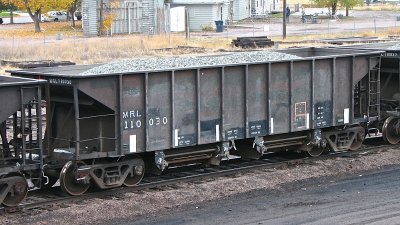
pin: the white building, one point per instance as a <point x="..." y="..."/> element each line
<point x="241" y="9"/>
<point x="204" y="13"/>
<point x="259" y="7"/>
<point x="153" y="16"/>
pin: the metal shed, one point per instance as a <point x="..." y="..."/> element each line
<point x="241" y="9"/>
<point x="90" y="18"/>
<point x="130" y="16"/>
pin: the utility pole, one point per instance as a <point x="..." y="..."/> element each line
<point x="11" y="14"/>
<point x="187" y="27"/>
<point x="101" y="18"/>
<point x="284" y="21"/>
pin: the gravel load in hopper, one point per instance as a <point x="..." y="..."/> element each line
<point x="164" y="63"/>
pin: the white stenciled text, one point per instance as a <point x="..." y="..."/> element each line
<point x="132" y="119"/>
<point x="157" y="121"/>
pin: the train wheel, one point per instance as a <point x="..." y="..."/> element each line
<point x="358" y="139"/>
<point x="315" y="151"/>
<point x="68" y="181"/>
<point x="136" y="175"/>
<point x="391" y="130"/>
<point x="17" y="192"/>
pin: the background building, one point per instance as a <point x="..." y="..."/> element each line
<point x="203" y="13"/>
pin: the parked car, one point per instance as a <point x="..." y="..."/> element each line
<point x="1" y="21"/>
<point x="55" y="16"/>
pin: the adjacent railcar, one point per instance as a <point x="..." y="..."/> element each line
<point x="105" y="129"/>
<point x="20" y="125"/>
<point x="387" y="127"/>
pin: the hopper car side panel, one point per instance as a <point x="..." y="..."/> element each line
<point x="302" y="95"/>
<point x="159" y="111"/>
<point x="257" y="103"/>
<point x="343" y="91"/>
<point x="133" y="120"/>
<point x="279" y="97"/>
<point x="209" y="102"/>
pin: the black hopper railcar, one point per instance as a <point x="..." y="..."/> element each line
<point x="107" y="129"/>
<point x="21" y="155"/>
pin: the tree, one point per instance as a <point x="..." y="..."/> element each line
<point x="349" y="4"/>
<point x="10" y="6"/>
<point x="72" y="9"/>
<point x="35" y="8"/>
<point x="334" y="4"/>
<point x="2" y="6"/>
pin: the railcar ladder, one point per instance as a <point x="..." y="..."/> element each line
<point x="374" y="88"/>
<point x="31" y="129"/>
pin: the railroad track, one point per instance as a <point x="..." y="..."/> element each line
<point x="196" y="172"/>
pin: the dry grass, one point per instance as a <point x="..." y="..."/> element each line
<point x="100" y="50"/>
<point x="393" y="31"/>
<point x="28" y="30"/>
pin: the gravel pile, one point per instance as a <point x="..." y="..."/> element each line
<point x="394" y="47"/>
<point x="165" y="63"/>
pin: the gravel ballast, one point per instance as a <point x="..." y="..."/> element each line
<point x="128" y="206"/>
<point x="168" y="63"/>
<point x="394" y="47"/>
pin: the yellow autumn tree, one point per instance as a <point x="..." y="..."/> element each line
<point x="35" y="8"/>
<point x="107" y="16"/>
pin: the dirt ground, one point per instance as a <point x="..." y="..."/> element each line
<point x="144" y="204"/>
